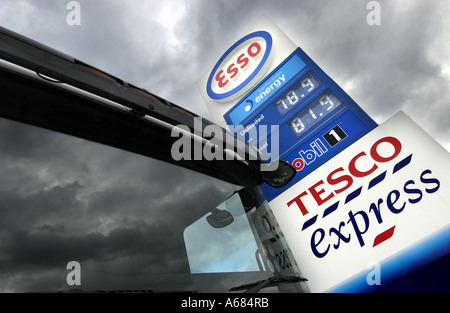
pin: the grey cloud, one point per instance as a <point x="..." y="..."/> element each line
<point x="74" y="200"/>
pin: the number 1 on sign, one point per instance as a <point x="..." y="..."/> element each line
<point x="298" y="125"/>
<point x="335" y="135"/>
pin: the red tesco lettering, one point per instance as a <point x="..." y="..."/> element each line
<point x="344" y="180"/>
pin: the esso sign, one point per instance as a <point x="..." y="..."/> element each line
<point x="240" y="67"/>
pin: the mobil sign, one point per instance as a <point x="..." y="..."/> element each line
<point x="384" y="201"/>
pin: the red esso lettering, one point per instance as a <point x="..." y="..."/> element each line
<point x="341" y="180"/>
<point x="243" y="61"/>
<point x="254" y="50"/>
<point x="224" y="76"/>
<point x="232" y="70"/>
<point x="222" y="81"/>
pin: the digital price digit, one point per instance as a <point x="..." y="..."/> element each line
<point x="327" y="103"/>
<point x="294" y="96"/>
<point x="297" y="125"/>
<point x="313" y="113"/>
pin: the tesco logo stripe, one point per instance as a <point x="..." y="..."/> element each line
<point x="313" y="220"/>
<point x="378" y="179"/>
<point x="383" y="237"/>
<point x="331" y="209"/>
<point x="402" y="164"/>
<point x="353" y="195"/>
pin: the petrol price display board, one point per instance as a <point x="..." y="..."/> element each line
<point x="316" y="118"/>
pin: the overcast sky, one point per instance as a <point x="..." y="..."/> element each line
<point x="165" y="47"/>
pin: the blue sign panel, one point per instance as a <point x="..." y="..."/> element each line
<point x="316" y="118"/>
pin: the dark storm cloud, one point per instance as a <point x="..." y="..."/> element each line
<point x="50" y="248"/>
<point x="390" y="64"/>
<point x="64" y="199"/>
<point x="385" y="68"/>
<point x="24" y="211"/>
<point x="136" y="250"/>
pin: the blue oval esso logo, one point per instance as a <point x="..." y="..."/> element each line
<point x="239" y="66"/>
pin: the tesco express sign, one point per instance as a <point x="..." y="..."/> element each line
<point x="240" y="67"/>
<point x="385" y="199"/>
